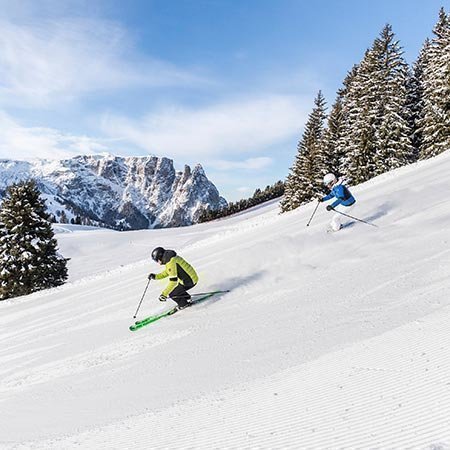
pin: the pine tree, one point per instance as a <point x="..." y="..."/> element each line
<point x="332" y="156"/>
<point x="435" y="127"/>
<point x="357" y="140"/>
<point x="415" y="99"/>
<point x="63" y="217"/>
<point x="393" y="137"/>
<point x="29" y="260"/>
<point x="270" y="192"/>
<point x="305" y="177"/>
<point x="376" y="131"/>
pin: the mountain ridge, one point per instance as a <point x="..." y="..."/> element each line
<point x="132" y="192"/>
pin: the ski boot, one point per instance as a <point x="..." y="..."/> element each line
<point x="179" y="308"/>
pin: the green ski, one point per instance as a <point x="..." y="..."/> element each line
<point x="148" y="320"/>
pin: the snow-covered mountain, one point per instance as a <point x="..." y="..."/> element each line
<point x="325" y="341"/>
<point x="127" y="193"/>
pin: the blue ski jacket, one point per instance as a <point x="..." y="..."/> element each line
<point x="343" y="196"/>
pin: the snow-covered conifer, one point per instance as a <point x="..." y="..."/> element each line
<point x="435" y="129"/>
<point x="393" y="134"/>
<point x="377" y="133"/>
<point x="358" y="135"/>
<point x="306" y="174"/>
<point x="29" y="260"/>
<point x="415" y="98"/>
<point x="340" y="123"/>
<point x="332" y="155"/>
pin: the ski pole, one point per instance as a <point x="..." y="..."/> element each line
<point x="355" y="218"/>
<point x="143" y="295"/>
<point x="314" y="212"/>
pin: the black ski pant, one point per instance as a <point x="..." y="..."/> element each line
<point x="180" y="294"/>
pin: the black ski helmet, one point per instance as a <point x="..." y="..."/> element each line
<point x="157" y="254"/>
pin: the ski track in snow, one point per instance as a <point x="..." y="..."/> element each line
<point x="79" y="363"/>
<point x="325" y="341"/>
<point x="374" y="398"/>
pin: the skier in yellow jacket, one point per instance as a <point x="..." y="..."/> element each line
<point x="182" y="276"/>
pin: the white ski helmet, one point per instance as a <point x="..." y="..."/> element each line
<point x="329" y="178"/>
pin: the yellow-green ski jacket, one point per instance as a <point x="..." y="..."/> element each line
<point x="178" y="270"/>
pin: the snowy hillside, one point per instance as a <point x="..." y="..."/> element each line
<point x="325" y="341"/>
<point x="128" y="193"/>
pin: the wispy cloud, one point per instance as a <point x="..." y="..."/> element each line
<point x="248" y="164"/>
<point x="19" y="142"/>
<point x="51" y="54"/>
<point x="240" y="126"/>
<point x="57" y="60"/>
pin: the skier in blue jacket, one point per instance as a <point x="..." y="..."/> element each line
<point x="344" y="200"/>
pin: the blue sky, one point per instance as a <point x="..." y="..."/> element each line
<point x="226" y="83"/>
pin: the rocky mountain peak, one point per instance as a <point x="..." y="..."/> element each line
<point x="118" y="192"/>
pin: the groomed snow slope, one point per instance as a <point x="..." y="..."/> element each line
<point x="326" y="340"/>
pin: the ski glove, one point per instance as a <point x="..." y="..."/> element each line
<point x="329" y="207"/>
<point x="152" y="276"/>
<point x="162" y="298"/>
